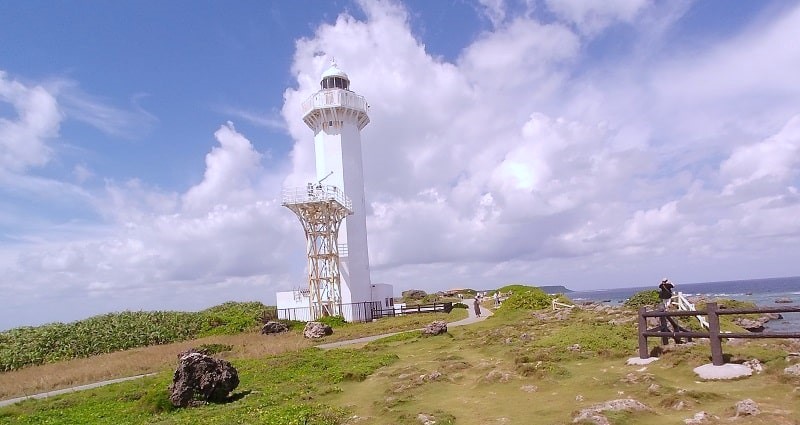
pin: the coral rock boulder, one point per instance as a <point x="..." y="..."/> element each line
<point x="316" y="330"/>
<point x="200" y="379"/>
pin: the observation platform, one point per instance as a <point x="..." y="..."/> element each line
<point x="314" y="193"/>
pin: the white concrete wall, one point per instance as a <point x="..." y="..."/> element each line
<point x="337" y="148"/>
<point x="289" y="300"/>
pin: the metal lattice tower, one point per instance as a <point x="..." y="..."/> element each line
<point x="321" y="209"/>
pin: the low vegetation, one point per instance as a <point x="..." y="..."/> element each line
<point x="522" y="366"/>
<point x="107" y="333"/>
<point x="643" y="299"/>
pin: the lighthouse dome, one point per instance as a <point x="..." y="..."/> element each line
<point x="334" y="78"/>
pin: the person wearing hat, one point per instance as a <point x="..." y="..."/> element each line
<point x="665" y="292"/>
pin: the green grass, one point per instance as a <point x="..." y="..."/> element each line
<point x="515" y="368"/>
<point x="277" y="390"/>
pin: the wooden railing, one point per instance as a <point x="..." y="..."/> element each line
<point x="714" y="335"/>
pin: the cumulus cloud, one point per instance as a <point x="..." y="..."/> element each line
<point x="512" y="155"/>
<point x="521" y="160"/>
<point x="24" y="138"/>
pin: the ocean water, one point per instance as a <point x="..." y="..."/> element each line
<point x="762" y="292"/>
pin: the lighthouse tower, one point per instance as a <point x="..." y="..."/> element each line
<point x="337" y="115"/>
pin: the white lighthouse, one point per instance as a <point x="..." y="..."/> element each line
<point x="336" y="115"/>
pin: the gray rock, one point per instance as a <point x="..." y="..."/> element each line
<point x="754" y="364"/>
<point x="437" y="327"/>
<point x="747" y="407"/>
<point x="316" y="330"/>
<point x="594" y="414"/>
<point x="793" y="370"/>
<point x="426" y="419"/>
<point x="274" y="328"/>
<point x="200" y="379"/>
<point x="700" y="418"/>
<point x="784" y="300"/>
<point x="749" y="324"/>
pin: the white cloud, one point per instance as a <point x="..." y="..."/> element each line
<point x="592" y="16"/>
<point x="522" y="161"/>
<point x="23" y="139"/>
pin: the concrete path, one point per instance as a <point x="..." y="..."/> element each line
<point x="69" y="390"/>
<point x="471" y="319"/>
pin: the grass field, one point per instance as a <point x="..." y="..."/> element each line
<point x="517" y="367"/>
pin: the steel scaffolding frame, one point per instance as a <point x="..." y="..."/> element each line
<point x="321" y="210"/>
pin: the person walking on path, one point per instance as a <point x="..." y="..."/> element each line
<point x="665" y="292"/>
<point x="477" y="306"/>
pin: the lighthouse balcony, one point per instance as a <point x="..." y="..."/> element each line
<point x="314" y="193"/>
<point x="332" y="106"/>
<point x="335" y="99"/>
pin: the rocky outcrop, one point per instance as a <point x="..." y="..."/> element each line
<point x="700" y="418"/>
<point x="594" y="414"/>
<point x="784" y="300"/>
<point x="435" y="328"/>
<point x="750" y="324"/>
<point x="747" y="407"/>
<point x="272" y="327"/>
<point x="200" y="379"/>
<point x="317" y="330"/>
<point x="793" y="370"/>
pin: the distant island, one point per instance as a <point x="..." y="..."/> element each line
<point x="555" y="289"/>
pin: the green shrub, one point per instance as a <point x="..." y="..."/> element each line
<point x="460" y="305"/>
<point x="531" y="299"/>
<point x="333" y="321"/>
<point x="643" y="299"/>
<point x="232" y="317"/>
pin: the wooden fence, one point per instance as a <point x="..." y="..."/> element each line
<point x="714" y="335"/>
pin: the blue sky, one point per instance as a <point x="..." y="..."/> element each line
<point x="143" y="145"/>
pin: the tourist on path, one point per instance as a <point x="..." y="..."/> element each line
<point x="477" y="305"/>
<point x="665" y="292"/>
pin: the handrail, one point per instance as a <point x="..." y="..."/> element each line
<point x="685" y="305"/>
<point x="714" y="334"/>
<point x="333" y="99"/>
<point x="557" y="304"/>
<point x="314" y="193"/>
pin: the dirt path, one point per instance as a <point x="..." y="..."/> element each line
<point x="69" y="390"/>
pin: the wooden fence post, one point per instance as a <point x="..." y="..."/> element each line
<point x="643" y="353"/>
<point x="713" y="335"/>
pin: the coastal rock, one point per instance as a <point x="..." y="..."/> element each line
<point x="747" y="407"/>
<point x="200" y="379"/>
<point x="437" y="327"/>
<point x="793" y="370"/>
<point x="784" y="300"/>
<point x="700" y="418"/>
<point x="755" y="365"/>
<point x="316" y="330"/>
<point x="594" y="414"/>
<point x="750" y="324"/>
<point x="426" y="419"/>
<point x="272" y="327"/>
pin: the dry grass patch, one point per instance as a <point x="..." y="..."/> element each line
<point x="137" y="361"/>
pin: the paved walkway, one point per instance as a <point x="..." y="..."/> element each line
<point x="471" y="319"/>
<point x="69" y="390"/>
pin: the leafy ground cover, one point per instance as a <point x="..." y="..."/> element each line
<point x="106" y="333"/>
